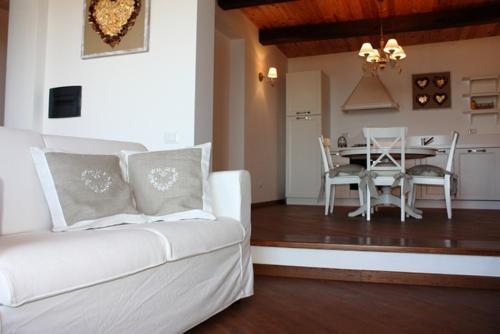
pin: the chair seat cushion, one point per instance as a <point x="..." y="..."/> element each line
<point x="426" y="170"/>
<point x="37" y="265"/>
<point x="187" y="238"/>
<point x="347" y="170"/>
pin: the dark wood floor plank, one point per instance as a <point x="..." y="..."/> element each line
<point x="284" y="305"/>
<point x="474" y="232"/>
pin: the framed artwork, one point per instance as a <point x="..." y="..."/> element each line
<point x="431" y="90"/>
<point x="115" y="27"/>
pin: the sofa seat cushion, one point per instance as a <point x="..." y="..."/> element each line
<point x="42" y="264"/>
<point x="185" y="238"/>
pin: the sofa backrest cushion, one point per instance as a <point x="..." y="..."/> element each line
<point x="22" y="203"/>
<point x="88" y="145"/>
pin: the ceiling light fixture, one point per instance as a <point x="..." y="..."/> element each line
<point x="391" y="54"/>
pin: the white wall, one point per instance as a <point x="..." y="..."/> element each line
<point x="264" y="124"/>
<point x="135" y="97"/>
<point x="4" y="27"/>
<point x="26" y="64"/>
<point x="222" y="94"/>
<point x="461" y="58"/>
<point x="204" y="71"/>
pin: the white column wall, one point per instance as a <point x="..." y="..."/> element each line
<point x="136" y="97"/>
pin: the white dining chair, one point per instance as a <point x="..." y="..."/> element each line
<point x="346" y="174"/>
<point x="435" y="176"/>
<point x="385" y="170"/>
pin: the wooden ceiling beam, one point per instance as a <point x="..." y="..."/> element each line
<point x="488" y="13"/>
<point x="237" y="4"/>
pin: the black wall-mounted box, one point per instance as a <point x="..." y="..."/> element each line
<point x="65" y="102"/>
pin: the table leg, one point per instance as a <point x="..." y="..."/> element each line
<point x="387" y="198"/>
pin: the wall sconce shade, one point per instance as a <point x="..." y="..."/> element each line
<point x="272" y="75"/>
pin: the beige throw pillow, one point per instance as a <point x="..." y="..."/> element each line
<point x="84" y="191"/>
<point x="171" y="185"/>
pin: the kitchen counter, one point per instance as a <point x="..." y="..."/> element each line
<point x="444" y="141"/>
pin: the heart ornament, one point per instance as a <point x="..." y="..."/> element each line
<point x="440" y="98"/>
<point x="440" y="81"/>
<point x="422" y="99"/>
<point x="422" y="82"/>
<point x="162" y="179"/>
<point x="112" y="19"/>
<point x="96" y="180"/>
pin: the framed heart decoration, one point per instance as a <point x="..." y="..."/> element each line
<point x="431" y="91"/>
<point x="115" y="27"/>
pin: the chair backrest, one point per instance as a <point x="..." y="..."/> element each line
<point x="325" y="146"/>
<point x="387" y="141"/>
<point x="451" y="154"/>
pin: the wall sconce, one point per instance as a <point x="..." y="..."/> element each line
<point x="272" y="75"/>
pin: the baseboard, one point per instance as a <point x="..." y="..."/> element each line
<point x="419" y="203"/>
<point x="268" y="203"/>
<point x="387" y="277"/>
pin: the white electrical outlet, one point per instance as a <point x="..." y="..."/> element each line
<point x="170" y="137"/>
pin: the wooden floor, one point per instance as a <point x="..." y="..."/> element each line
<point x="287" y="305"/>
<point x="474" y="232"/>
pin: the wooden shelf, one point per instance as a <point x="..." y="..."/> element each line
<point x="482" y="111"/>
<point x="485" y="77"/>
<point x="481" y="94"/>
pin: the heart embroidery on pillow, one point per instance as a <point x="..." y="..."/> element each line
<point x="422" y="82"/>
<point x="440" y="98"/>
<point x="422" y="99"/>
<point x="112" y="19"/>
<point x="162" y="179"/>
<point x="96" y="180"/>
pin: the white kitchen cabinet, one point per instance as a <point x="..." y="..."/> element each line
<point x="307" y="119"/>
<point x="303" y="168"/>
<point x="303" y="93"/>
<point x="479" y="173"/>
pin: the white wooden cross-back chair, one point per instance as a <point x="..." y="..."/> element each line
<point x="347" y="174"/>
<point x="435" y="176"/>
<point x="383" y="147"/>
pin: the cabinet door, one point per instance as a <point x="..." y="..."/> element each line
<point x="479" y="174"/>
<point x="303" y="157"/>
<point x="434" y="192"/>
<point x="303" y="93"/>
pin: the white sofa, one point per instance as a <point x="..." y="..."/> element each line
<point x="161" y="277"/>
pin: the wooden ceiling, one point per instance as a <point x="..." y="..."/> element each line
<point x="4" y="4"/>
<point x="313" y="27"/>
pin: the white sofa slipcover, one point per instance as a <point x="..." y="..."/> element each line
<point x="160" y="278"/>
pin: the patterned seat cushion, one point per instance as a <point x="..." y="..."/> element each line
<point x="426" y="170"/>
<point x="347" y="170"/>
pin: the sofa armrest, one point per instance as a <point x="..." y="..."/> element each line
<point x="231" y="196"/>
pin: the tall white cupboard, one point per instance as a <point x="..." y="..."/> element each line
<point x="307" y="117"/>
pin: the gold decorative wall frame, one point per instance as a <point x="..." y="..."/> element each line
<point x="115" y="27"/>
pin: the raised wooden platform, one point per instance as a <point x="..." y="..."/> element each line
<point x="469" y="232"/>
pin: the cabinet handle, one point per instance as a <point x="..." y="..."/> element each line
<point x="477" y="150"/>
<point x="441" y="151"/>
<point x="306" y="118"/>
<point x="303" y="113"/>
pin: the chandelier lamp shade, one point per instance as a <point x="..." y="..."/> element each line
<point x="390" y="53"/>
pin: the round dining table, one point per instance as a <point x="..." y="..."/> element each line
<point x="387" y="198"/>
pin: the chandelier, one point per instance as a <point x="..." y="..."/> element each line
<point x="391" y="54"/>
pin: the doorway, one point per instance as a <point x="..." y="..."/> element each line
<point x="4" y="28"/>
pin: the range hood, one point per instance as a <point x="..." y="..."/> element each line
<point x="370" y="94"/>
